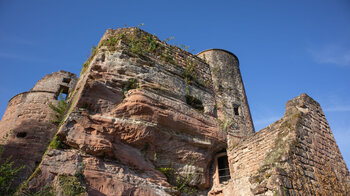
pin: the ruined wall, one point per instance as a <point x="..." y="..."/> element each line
<point x="148" y="118"/>
<point x="26" y="127"/>
<point x="318" y="165"/>
<point x="232" y="105"/>
<point x="296" y="155"/>
<point x="34" y="103"/>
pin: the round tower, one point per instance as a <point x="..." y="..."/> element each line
<point x="232" y="105"/>
<point x="26" y="127"/>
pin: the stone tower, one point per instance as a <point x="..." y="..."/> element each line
<point x="232" y="105"/>
<point x="26" y="126"/>
<point x="148" y="118"/>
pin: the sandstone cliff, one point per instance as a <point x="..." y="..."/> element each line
<point x="147" y="118"/>
<point x="143" y="114"/>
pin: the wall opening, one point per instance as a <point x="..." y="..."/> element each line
<point x="235" y="110"/>
<point x="21" y="134"/>
<point x="66" y="80"/>
<point x="62" y="93"/>
<point x="62" y="96"/>
<point x="222" y="167"/>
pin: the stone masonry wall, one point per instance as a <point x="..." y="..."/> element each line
<point x="245" y="160"/>
<point x="26" y="127"/>
<point x="232" y="105"/>
<point x="319" y="168"/>
<point x="296" y="155"/>
<point x="56" y="82"/>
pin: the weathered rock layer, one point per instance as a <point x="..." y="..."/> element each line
<point x="147" y="118"/>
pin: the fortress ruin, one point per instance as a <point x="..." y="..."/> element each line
<point x="148" y="118"/>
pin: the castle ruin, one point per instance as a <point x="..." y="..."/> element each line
<point x="148" y="118"/>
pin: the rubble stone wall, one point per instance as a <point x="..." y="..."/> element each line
<point x="232" y="104"/>
<point x="296" y="155"/>
<point x="26" y="128"/>
<point x="319" y="168"/>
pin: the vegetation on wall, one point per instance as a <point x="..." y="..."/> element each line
<point x="225" y="124"/>
<point x="189" y="73"/>
<point x="131" y="83"/>
<point x="180" y="182"/>
<point x="59" y="110"/>
<point x="7" y="175"/>
<point x="71" y="185"/>
<point x="139" y="43"/>
<point x="194" y="102"/>
<point x="48" y="190"/>
<point x="8" y="172"/>
<point x="87" y="62"/>
<point x="55" y="143"/>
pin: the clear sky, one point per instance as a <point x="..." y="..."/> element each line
<point x="285" y="48"/>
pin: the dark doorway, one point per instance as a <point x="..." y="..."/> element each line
<point x="223" y="169"/>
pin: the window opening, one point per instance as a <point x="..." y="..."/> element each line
<point x="235" y="109"/>
<point x="21" y="134"/>
<point x="66" y="80"/>
<point x="223" y="169"/>
<point x="62" y="94"/>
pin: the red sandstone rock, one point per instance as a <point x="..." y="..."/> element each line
<point x="161" y="121"/>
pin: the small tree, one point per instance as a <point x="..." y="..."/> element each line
<point x="7" y="175"/>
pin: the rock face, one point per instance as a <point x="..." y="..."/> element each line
<point x="145" y="110"/>
<point x="147" y="118"/>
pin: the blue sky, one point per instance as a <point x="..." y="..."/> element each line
<point x="285" y="48"/>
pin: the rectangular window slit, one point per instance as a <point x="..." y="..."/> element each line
<point x="235" y="109"/>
